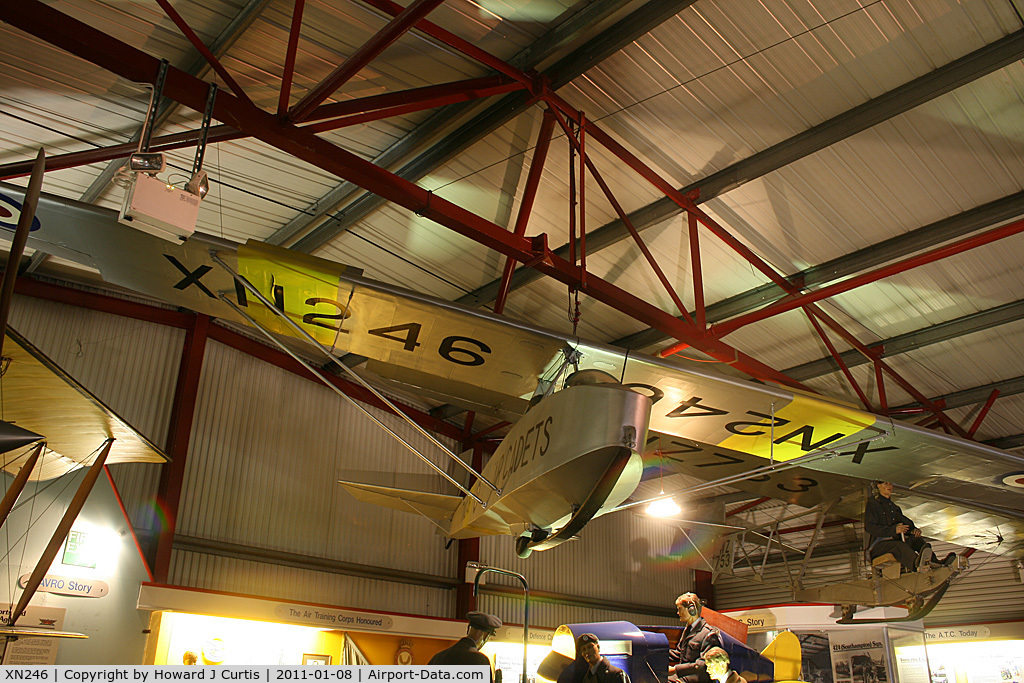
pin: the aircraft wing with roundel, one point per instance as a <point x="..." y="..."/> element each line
<point x="492" y="362"/>
<point x="966" y="522"/>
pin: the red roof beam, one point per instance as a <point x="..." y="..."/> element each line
<point x="666" y="188"/>
<point x="747" y="506"/>
<point x="934" y="407"/>
<point x="414" y="99"/>
<point x="361" y="57"/>
<point x="106" y="51"/>
<point x="210" y="58"/>
<point x="289" y="57"/>
<point x="697" y="272"/>
<point x="984" y="411"/>
<point x="838" y="359"/>
<point x="932" y="256"/>
<point x="540" y="155"/>
<point x="629" y="225"/>
<point x="453" y="41"/>
<point x="489" y="430"/>
<point x="408" y="108"/>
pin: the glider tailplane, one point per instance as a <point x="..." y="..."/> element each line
<point x="439" y="506"/>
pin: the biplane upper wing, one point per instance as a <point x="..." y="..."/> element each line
<point x="461" y="352"/>
<point x="41" y="397"/>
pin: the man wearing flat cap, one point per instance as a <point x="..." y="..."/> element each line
<point x="599" y="669"/>
<point x="467" y="650"/>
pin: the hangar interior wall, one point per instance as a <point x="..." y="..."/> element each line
<point x="261" y="512"/>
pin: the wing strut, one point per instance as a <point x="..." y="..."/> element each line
<point x="61" y="532"/>
<point x="270" y="306"/>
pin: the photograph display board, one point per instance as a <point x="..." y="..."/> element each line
<point x="858" y="656"/>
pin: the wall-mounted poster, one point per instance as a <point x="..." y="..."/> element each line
<point x="858" y="656"/>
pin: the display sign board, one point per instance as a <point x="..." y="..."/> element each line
<point x="858" y="656"/>
<point x="68" y="585"/>
<point x="35" y="650"/>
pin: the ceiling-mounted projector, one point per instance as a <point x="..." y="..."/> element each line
<point x="153" y="206"/>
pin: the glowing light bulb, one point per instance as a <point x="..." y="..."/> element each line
<point x="666" y="507"/>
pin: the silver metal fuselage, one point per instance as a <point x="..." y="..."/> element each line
<point x="553" y="457"/>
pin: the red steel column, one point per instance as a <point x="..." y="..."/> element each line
<point x="469" y="551"/>
<point x="703" y="587"/>
<point x="182" y="413"/>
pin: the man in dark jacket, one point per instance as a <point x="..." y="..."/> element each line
<point x="685" y="660"/>
<point x="467" y="650"/>
<point x="890" y="531"/>
<point x="599" y="669"/>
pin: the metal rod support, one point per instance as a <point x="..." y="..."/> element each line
<point x="204" y="129"/>
<point x="334" y="359"/>
<point x="482" y="569"/>
<point x="16" y="487"/>
<point x="348" y="398"/>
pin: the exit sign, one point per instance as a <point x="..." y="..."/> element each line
<point x="77" y="551"/>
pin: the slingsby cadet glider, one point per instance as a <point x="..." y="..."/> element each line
<point x="576" y="453"/>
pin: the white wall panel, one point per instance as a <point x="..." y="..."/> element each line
<point x="267" y="450"/>
<point x="200" y="570"/>
<point x="130" y="365"/>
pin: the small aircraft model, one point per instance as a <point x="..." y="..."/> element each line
<point x="800" y="447"/>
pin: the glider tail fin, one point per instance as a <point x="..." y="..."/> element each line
<point x="784" y="652"/>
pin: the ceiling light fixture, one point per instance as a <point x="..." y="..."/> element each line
<point x="663" y="507"/>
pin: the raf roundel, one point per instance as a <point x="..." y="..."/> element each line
<point x="1015" y="479"/>
<point x="10" y="213"/>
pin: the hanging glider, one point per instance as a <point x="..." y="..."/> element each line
<point x="799" y="447"/>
